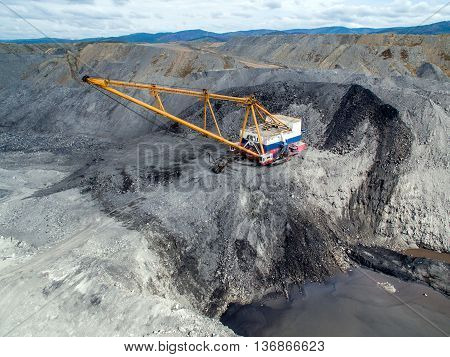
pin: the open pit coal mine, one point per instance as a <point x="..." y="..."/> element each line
<point x="113" y="225"/>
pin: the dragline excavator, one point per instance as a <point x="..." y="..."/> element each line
<point x="264" y="137"/>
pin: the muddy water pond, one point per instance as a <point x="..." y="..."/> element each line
<point x="430" y="254"/>
<point x="356" y="303"/>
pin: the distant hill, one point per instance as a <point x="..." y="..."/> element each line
<point x="333" y="30"/>
<point x="433" y="29"/>
<point x="188" y="35"/>
<point x="195" y="35"/>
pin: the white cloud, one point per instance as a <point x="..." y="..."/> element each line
<point x="273" y="4"/>
<point x="93" y="18"/>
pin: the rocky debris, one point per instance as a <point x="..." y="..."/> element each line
<point x="15" y="250"/>
<point x="431" y="71"/>
<point x="388" y="287"/>
<point x="59" y="143"/>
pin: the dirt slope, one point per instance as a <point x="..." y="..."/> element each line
<point x="379" y="55"/>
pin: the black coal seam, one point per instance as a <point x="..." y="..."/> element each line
<point x="428" y="271"/>
<point x="221" y="293"/>
<point x="308" y="246"/>
<point x="394" y="141"/>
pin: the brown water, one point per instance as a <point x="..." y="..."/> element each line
<point x="426" y="253"/>
<point x="351" y="304"/>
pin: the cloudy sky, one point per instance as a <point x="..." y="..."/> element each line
<point x="93" y="18"/>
